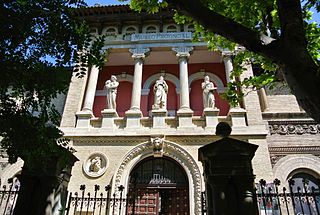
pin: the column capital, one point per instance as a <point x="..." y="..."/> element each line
<point x="226" y="55"/>
<point x="138" y="53"/>
<point x="183" y="51"/>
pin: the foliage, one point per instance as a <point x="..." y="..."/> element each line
<point x="39" y="42"/>
<point x="256" y="16"/>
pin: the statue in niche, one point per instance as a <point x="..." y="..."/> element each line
<point x="160" y="90"/>
<point x="208" y="93"/>
<point x="95" y="164"/>
<point x="111" y="86"/>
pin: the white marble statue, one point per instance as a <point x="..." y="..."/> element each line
<point x="208" y="93"/>
<point x="111" y="86"/>
<point x="160" y="90"/>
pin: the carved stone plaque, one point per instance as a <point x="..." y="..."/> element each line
<point x="95" y="165"/>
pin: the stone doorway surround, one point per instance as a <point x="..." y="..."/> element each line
<point x="169" y="149"/>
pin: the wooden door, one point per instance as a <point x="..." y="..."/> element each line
<point x="158" y="186"/>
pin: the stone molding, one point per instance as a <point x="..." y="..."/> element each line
<point x="293" y="127"/>
<point x="276" y="153"/>
<point x="295" y="150"/>
<point x="108" y="141"/>
<point x="134" y="140"/>
<point x="171" y="150"/>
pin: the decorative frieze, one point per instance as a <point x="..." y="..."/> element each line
<point x="293" y="128"/>
<point x="295" y="150"/>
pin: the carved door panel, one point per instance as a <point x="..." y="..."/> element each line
<point x="143" y="201"/>
<point x="174" y="201"/>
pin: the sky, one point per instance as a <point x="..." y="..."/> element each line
<point x="316" y="16"/>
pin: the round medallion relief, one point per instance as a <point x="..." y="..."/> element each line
<point x="95" y="165"/>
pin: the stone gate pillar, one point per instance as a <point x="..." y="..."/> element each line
<point x="228" y="176"/>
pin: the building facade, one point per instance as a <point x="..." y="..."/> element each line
<point x="129" y="128"/>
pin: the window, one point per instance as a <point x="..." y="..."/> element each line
<point x="130" y="30"/>
<point x="172" y="28"/>
<point x="111" y="32"/>
<point x="151" y="29"/>
<point x="190" y="28"/>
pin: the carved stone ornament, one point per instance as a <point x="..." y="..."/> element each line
<point x="95" y="165"/>
<point x="157" y="144"/>
<point x="275" y="158"/>
<point x="294" y="128"/>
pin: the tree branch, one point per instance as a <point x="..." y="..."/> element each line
<point x="291" y="21"/>
<point x="224" y="26"/>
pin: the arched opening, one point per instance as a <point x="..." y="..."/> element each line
<point x="158" y="186"/>
<point x="304" y="182"/>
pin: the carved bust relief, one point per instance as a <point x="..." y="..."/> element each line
<point x="95" y="165"/>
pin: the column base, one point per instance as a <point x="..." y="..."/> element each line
<point x="133" y="119"/>
<point x="158" y="118"/>
<point x="185" y="118"/>
<point x="83" y="118"/>
<point x="211" y="115"/>
<point x="238" y="117"/>
<point x="108" y="116"/>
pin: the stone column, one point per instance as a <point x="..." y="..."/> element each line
<point x="237" y="114"/>
<point x="184" y="113"/>
<point x="134" y="114"/>
<point x="263" y="99"/>
<point x="86" y="113"/>
<point x="227" y="64"/>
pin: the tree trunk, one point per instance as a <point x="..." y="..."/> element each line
<point x="303" y="77"/>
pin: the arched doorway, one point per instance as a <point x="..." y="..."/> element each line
<point x="158" y="186"/>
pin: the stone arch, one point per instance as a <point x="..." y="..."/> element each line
<point x="290" y="163"/>
<point x="10" y="171"/>
<point x="167" y="76"/>
<point x="214" y="78"/>
<point x="125" y="77"/>
<point x="172" y="150"/>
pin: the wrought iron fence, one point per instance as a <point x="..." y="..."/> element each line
<point x="295" y="200"/>
<point x="272" y="200"/>
<point x="8" y="197"/>
<point x="97" y="203"/>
